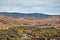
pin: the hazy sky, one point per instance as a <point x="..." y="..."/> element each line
<point x="30" y="6"/>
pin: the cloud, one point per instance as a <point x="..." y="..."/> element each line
<point x="36" y="8"/>
<point x="30" y="6"/>
<point x="31" y="2"/>
<point x="21" y="2"/>
<point x="13" y="9"/>
<point x="52" y="13"/>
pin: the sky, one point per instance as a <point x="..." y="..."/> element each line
<point x="51" y="7"/>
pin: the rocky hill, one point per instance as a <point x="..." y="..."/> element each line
<point x="9" y="22"/>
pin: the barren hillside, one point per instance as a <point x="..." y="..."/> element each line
<point x="7" y="22"/>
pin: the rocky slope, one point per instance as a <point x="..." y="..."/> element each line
<point x="9" y="22"/>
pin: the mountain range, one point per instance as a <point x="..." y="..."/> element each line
<point x="8" y="20"/>
<point x="29" y="15"/>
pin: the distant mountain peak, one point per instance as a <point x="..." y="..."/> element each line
<point x="30" y="15"/>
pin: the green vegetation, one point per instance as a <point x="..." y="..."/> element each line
<point x="29" y="33"/>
